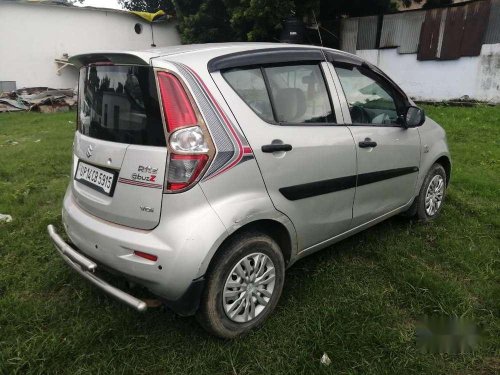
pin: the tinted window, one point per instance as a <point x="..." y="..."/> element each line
<point x="120" y="104"/>
<point x="369" y="100"/>
<point x="299" y="94"/>
<point x="249" y="85"/>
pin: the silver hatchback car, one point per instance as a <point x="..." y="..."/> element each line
<point x="202" y="172"/>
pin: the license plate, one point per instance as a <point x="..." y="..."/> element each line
<point x="96" y="178"/>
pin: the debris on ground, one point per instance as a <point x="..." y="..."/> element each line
<point x="10" y="105"/>
<point x="325" y="360"/>
<point x="5" y="218"/>
<point x="41" y="99"/>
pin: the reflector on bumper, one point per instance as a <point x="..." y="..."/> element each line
<point x="85" y="267"/>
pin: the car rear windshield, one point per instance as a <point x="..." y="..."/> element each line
<point x="119" y="103"/>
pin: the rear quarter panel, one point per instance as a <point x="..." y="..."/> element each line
<point x="233" y="184"/>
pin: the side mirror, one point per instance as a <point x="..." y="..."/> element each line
<point x="414" y="117"/>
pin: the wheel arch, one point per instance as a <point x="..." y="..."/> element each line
<point x="445" y="161"/>
<point x="273" y="228"/>
<point x="428" y="160"/>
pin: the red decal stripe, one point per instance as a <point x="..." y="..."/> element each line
<point x="139" y="183"/>
<point x="228" y="123"/>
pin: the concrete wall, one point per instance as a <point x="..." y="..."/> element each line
<point x="477" y="77"/>
<point x="33" y="35"/>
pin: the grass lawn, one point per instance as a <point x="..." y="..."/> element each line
<point x="358" y="301"/>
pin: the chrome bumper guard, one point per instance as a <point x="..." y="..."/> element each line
<point x="86" y="268"/>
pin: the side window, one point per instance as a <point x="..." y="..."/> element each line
<point x="370" y="100"/>
<point x="250" y="86"/>
<point x="299" y="94"/>
<point x="289" y="94"/>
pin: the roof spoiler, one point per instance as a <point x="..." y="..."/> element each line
<point x="108" y="58"/>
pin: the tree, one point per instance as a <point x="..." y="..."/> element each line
<point x="202" y="21"/>
<point x="231" y="20"/>
<point x="257" y="20"/>
<point x="436" y="3"/>
<point x="151" y="6"/>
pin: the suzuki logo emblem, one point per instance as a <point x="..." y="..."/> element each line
<point x="89" y="151"/>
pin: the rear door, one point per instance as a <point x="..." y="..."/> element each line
<point x="291" y="121"/>
<point x="119" y="152"/>
<point x="388" y="154"/>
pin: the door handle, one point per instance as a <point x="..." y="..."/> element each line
<point x="367" y="143"/>
<point x="276" y="147"/>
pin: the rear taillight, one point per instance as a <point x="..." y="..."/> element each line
<point x="188" y="138"/>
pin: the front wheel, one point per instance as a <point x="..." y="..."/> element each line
<point x="429" y="202"/>
<point x="244" y="284"/>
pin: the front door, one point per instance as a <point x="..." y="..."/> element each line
<point x="388" y="154"/>
<point x="307" y="160"/>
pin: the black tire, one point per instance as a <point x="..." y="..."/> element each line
<point x="211" y="314"/>
<point x="418" y="208"/>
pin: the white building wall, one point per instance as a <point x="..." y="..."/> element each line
<point x="33" y="35"/>
<point x="477" y="77"/>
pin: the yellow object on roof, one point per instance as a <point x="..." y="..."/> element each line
<point x="150" y="17"/>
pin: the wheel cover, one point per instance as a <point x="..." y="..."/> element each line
<point x="434" y="195"/>
<point x="249" y="288"/>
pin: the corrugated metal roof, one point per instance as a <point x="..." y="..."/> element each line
<point x="349" y="34"/>
<point x="391" y="30"/>
<point x="402" y="30"/>
<point x="492" y="35"/>
<point x="410" y="34"/>
<point x="452" y="33"/>
<point x="474" y="28"/>
<point x="442" y="33"/>
<point x="442" y="22"/>
<point x="430" y="35"/>
<point x="367" y="33"/>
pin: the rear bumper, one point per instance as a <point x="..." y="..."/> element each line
<point x="177" y="276"/>
<point x="186" y="305"/>
<point x="86" y="268"/>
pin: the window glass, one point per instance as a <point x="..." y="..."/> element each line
<point x="369" y="102"/>
<point x="249" y="85"/>
<point x="299" y="94"/>
<point x="120" y="104"/>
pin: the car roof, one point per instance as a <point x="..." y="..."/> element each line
<point x="224" y="48"/>
<point x="208" y="49"/>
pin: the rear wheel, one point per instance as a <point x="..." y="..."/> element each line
<point x="244" y="284"/>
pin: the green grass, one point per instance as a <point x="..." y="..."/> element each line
<point x="358" y="301"/>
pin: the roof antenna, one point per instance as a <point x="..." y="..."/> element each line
<point x="152" y="35"/>
<point x="317" y="28"/>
